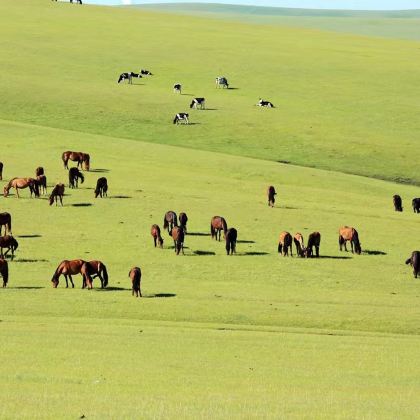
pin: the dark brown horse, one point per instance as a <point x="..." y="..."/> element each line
<point x="1" y="171"/>
<point x="69" y="268"/>
<point x="299" y="244"/>
<point x="57" y="193"/>
<point x="135" y="276"/>
<point x="271" y="194"/>
<point x="21" y="183"/>
<point x="82" y="159"/>
<point x="177" y="234"/>
<point x="98" y="269"/>
<point x="6" y="221"/>
<point x="4" y="271"/>
<point x="101" y="187"/>
<point x="285" y="243"/>
<point x="41" y="181"/>
<point x="314" y="241"/>
<point x="347" y="233"/>
<point x="157" y="238"/>
<point x="183" y="219"/>
<point x="74" y="176"/>
<point x="170" y="220"/>
<point x="397" y="203"/>
<point x="416" y="205"/>
<point x="231" y="238"/>
<point x="8" y="242"/>
<point x="217" y="224"/>
<point x="39" y="171"/>
<point x="414" y="261"/>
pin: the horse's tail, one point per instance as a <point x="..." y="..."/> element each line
<point x="212" y="230"/>
<point x="279" y="247"/>
<point x="356" y="241"/>
<point x="105" y="274"/>
<point x="165" y="223"/>
<point x="224" y="224"/>
<point x="15" y="243"/>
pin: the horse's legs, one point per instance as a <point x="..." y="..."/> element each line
<point x="17" y="192"/>
<point x="71" y="281"/>
<point x="317" y="251"/>
<point x="351" y="243"/>
<point x="67" y="283"/>
<point x="154" y="240"/>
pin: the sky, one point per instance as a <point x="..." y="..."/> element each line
<point x="307" y="4"/>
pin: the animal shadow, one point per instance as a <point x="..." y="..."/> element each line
<point x="253" y="253"/>
<point x="120" y="196"/>
<point x="160" y="295"/>
<point x="332" y="257"/>
<point x="27" y="287"/>
<point x="101" y="170"/>
<point x="29" y="260"/>
<point x="233" y="88"/>
<point x="245" y="242"/>
<point x="197" y="234"/>
<point x="198" y="252"/>
<point x="29" y="236"/>
<point x="372" y="252"/>
<point x="187" y="94"/>
<point x="82" y="205"/>
<point x="112" y="289"/>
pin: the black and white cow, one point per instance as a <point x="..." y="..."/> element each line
<point x="136" y="75"/>
<point x="222" y="82"/>
<point x="182" y="117"/>
<point x="146" y="72"/>
<point x="266" y="104"/>
<point x="77" y="1"/>
<point x="177" y="88"/>
<point x="125" y="76"/>
<point x="198" y="102"/>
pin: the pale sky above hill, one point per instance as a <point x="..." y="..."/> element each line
<point x="308" y="4"/>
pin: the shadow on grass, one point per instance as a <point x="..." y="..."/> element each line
<point x="252" y="253"/>
<point x="99" y="170"/>
<point x="372" y="252"/>
<point x="27" y="287"/>
<point x="82" y="205"/>
<point x="29" y="236"/>
<point x="232" y="88"/>
<point x="111" y="289"/>
<point x="187" y="94"/>
<point x="28" y="260"/>
<point x="202" y="253"/>
<point x="332" y="257"/>
<point x="120" y="196"/>
<point x="197" y="234"/>
<point x="160" y="295"/>
<point x="245" y="242"/>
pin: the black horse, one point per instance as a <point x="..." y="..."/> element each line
<point x="74" y="176"/>
<point x="397" y="203"/>
<point x="101" y="187"/>
<point x="231" y="237"/>
<point x="416" y="205"/>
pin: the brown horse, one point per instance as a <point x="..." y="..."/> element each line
<point x="414" y="261"/>
<point x="183" y="219"/>
<point x="170" y="220"/>
<point x="135" y="276"/>
<point x="1" y="170"/>
<point x="230" y="238"/>
<point x="98" y="269"/>
<point x="4" y="271"/>
<point x="57" y="193"/>
<point x="39" y="171"/>
<point x="8" y="242"/>
<point x="285" y="243"/>
<point x="21" y="183"/>
<point x="101" y="187"/>
<point x="157" y="238"/>
<point x="299" y="244"/>
<point x="177" y="234"/>
<point x="217" y="224"/>
<point x="42" y="183"/>
<point x="271" y="194"/>
<point x="397" y="203"/>
<point x="6" y="221"/>
<point x="82" y="159"/>
<point x="347" y="233"/>
<point x="314" y="240"/>
<point x="69" y="268"/>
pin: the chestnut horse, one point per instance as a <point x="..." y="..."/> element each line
<point x="82" y="159"/>
<point x="397" y="203"/>
<point x="8" y="242"/>
<point x="170" y="220"/>
<point x="271" y="193"/>
<point x="21" y="183"/>
<point x="157" y="238"/>
<point x="414" y="261"/>
<point x="98" y="269"/>
<point x="347" y="233"/>
<point x="135" y="276"/>
<point x="4" y="271"/>
<point x="69" y="268"/>
<point x="314" y="240"/>
<point x="177" y="234"/>
<point x="285" y="243"/>
<point x="299" y="244"/>
<point x="1" y="170"/>
<point x="57" y="193"/>
<point x="6" y="221"/>
<point x="217" y="224"/>
<point x="41" y="181"/>
<point x="230" y="238"/>
<point x="183" y="219"/>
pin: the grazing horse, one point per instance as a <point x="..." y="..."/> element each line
<point x="57" y="193"/>
<point x="6" y="221"/>
<point x="217" y="224"/>
<point x="299" y="244"/>
<point x="69" y="268"/>
<point x="222" y="82"/>
<point x="20" y="183"/>
<point x="266" y="104"/>
<point x="347" y="233"/>
<point x="177" y="234"/>
<point x="183" y="219"/>
<point x="42" y="183"/>
<point x="271" y="194"/>
<point x="82" y="159"/>
<point x="146" y="72"/>
<point x="198" y="102"/>
<point x="397" y="203"/>
<point x="98" y="269"/>
<point x="135" y="276"/>
<point x="1" y="171"/>
<point x="4" y="271"/>
<point x="8" y="242"/>
<point x="181" y="117"/>
<point x="39" y="171"/>
<point x="157" y="238"/>
<point x="314" y="240"/>
<point x="285" y="242"/>
<point x="101" y="187"/>
<point x="74" y="176"/>
<point x="170" y="220"/>
<point x="416" y="205"/>
<point x="414" y="261"/>
<point x="230" y="238"/>
<point x="177" y="88"/>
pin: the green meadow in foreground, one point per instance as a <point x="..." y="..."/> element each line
<point x="215" y="336"/>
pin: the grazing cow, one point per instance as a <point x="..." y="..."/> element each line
<point x="183" y="219"/>
<point x="57" y="193"/>
<point x="79" y="157"/>
<point x="101" y="187"/>
<point x="266" y="104"/>
<point x="74" y="176"/>
<point x="217" y="224"/>
<point x="271" y="193"/>
<point x="222" y="82"/>
<point x="77" y="1"/>
<point x="397" y="203"/>
<point x="230" y="238"/>
<point x="299" y="244"/>
<point x="98" y="269"/>
<point x="170" y="220"/>
<point x="21" y="183"/>
<point x="314" y="240"/>
<point x="146" y="72"/>
<point x="6" y="221"/>
<point x="198" y="102"/>
<point x="39" y="171"/>
<point x="1" y="171"/>
<point x="347" y="233"/>
<point x="285" y="243"/>
<point x="42" y="183"/>
<point x="125" y="76"/>
<point x="177" y="234"/>
<point x="8" y="242"/>
<point x="135" y="276"/>
<point x="4" y="271"/>
<point x="416" y="205"/>
<point x="414" y="261"/>
<point x="157" y="238"/>
<point x="135" y="76"/>
<point x="177" y="88"/>
<point x="181" y="117"/>
<point x="69" y="268"/>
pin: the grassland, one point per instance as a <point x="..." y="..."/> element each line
<point x="253" y="335"/>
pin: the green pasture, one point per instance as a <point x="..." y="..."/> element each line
<point x="253" y="335"/>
